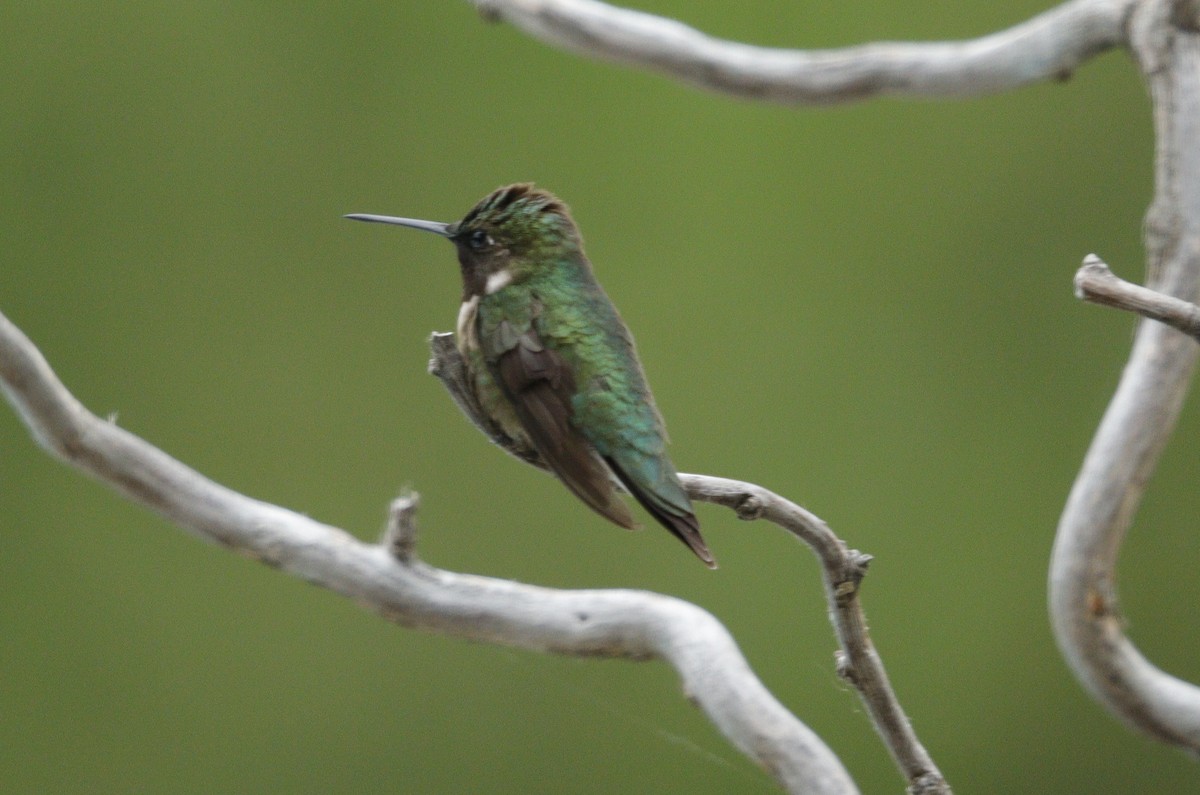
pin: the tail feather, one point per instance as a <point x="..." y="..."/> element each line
<point x="680" y="521"/>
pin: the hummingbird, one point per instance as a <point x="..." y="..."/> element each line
<point x="551" y="362"/>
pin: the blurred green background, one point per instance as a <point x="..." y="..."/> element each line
<point x="866" y="308"/>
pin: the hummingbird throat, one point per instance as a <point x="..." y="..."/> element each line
<point x="498" y="281"/>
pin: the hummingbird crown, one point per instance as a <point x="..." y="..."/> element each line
<point x="521" y="218"/>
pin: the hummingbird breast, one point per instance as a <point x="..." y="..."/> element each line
<point x="488" y="393"/>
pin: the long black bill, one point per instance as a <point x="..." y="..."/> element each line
<point x="414" y="223"/>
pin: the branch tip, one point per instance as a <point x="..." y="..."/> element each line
<point x="1097" y="284"/>
<point x="861" y="561"/>
<point x="400" y="537"/>
<point x="1092" y="271"/>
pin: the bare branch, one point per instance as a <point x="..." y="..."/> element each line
<point x="842" y="571"/>
<point x="1142" y="414"/>
<point x="634" y="625"/>
<point x="1095" y="283"/>
<point x="1049" y="46"/>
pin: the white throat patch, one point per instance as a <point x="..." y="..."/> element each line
<point x="466" y="325"/>
<point x="498" y="281"/>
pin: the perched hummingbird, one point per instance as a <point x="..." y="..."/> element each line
<point x="551" y="361"/>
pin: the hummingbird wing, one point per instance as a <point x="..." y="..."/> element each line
<point x="540" y="385"/>
<point x="613" y="408"/>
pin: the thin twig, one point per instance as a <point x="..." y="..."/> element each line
<point x="1049" y="46"/>
<point x="634" y="625"/>
<point x="400" y="535"/>
<point x="1095" y="283"/>
<point x="842" y="571"/>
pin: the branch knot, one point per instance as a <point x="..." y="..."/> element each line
<point x="749" y="508"/>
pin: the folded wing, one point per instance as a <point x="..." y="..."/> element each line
<point x="539" y="383"/>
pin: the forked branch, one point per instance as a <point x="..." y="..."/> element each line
<point x="842" y="571"/>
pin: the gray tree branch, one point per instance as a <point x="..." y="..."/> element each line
<point x="1141" y="417"/>
<point x="1049" y="46"/>
<point x="1095" y="283"/>
<point x="388" y="578"/>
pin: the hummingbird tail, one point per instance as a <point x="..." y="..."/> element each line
<point x="687" y="530"/>
<point x="681" y="522"/>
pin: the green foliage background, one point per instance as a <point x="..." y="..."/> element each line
<point x="867" y="308"/>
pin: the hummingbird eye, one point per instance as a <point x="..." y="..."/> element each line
<point x="479" y="240"/>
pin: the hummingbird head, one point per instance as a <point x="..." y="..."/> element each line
<point x="512" y="233"/>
